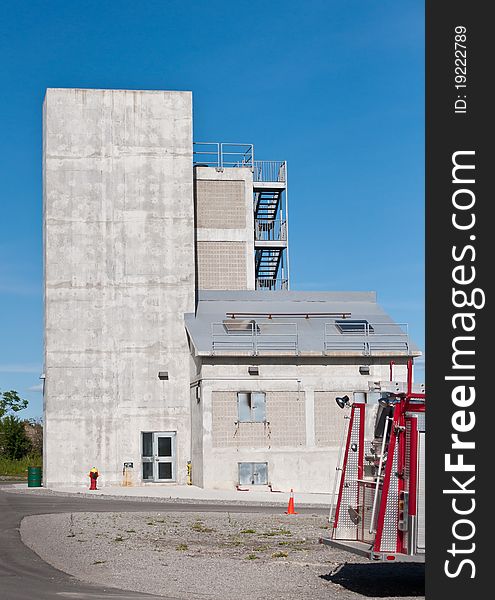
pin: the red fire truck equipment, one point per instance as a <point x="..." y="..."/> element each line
<point x="380" y="508"/>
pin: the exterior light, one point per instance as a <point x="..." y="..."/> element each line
<point x="344" y="401"/>
<point x="364" y="370"/>
<point x="162" y="375"/>
<point x="253" y="370"/>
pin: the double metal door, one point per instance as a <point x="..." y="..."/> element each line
<point x="159" y="456"/>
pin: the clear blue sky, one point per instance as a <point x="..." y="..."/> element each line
<point x="334" y="87"/>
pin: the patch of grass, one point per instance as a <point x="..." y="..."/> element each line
<point x="199" y="526"/>
<point x="181" y="547"/>
<point x="99" y="562"/>
<point x="248" y="531"/>
<point x="18" y="468"/>
<point x="252" y="557"/>
<point x="276" y="532"/>
<point x="283" y="543"/>
<point x="280" y="555"/>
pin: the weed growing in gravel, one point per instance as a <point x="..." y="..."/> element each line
<point x="248" y="531"/>
<point x="130" y="531"/>
<point x="276" y="532"/>
<point x="280" y="555"/>
<point x="252" y="557"/>
<point x="181" y="547"/>
<point x="119" y="538"/>
<point x="99" y="562"/>
<point x="199" y="526"/>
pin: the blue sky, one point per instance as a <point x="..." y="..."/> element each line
<point x="334" y="87"/>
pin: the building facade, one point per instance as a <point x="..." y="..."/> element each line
<point x="171" y="336"/>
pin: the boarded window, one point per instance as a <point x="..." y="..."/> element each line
<point x="253" y="473"/>
<point x="251" y="407"/>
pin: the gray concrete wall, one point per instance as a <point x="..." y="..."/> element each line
<point x="119" y="275"/>
<point x="225" y="228"/>
<point x="301" y="438"/>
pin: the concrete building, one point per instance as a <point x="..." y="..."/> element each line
<point x="170" y="331"/>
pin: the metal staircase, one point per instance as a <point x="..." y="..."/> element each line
<point x="269" y="207"/>
<point x="270" y="229"/>
<point x="267" y="262"/>
<point x="266" y="203"/>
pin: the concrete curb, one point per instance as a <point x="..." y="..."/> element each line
<point x="21" y="489"/>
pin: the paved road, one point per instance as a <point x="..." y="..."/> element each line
<point x="24" y="576"/>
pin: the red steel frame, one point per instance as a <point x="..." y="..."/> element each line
<point x="398" y="437"/>
<point x="405" y="403"/>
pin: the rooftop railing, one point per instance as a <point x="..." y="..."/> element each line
<point x="221" y="155"/>
<point x="270" y="171"/>
<point x="254" y="337"/>
<point x="368" y="339"/>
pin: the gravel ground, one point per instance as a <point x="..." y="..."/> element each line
<point x="213" y="556"/>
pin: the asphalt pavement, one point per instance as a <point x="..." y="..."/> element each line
<point x="24" y="576"/>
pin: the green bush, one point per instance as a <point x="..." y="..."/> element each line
<point x="14" y="443"/>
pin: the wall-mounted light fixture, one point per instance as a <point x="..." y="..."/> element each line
<point x="253" y="370"/>
<point x="364" y="370"/>
<point x="344" y="401"/>
<point x="162" y="375"/>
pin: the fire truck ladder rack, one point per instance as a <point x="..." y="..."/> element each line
<point x="379" y="512"/>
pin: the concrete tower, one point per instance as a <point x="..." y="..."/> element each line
<point x="119" y="276"/>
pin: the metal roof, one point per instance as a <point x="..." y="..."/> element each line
<point x="275" y="323"/>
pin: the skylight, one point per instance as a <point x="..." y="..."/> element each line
<point x="354" y="326"/>
<point x="239" y="325"/>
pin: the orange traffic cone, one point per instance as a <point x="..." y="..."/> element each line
<point x="290" y="507"/>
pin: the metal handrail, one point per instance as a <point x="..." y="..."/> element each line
<point x="269" y="170"/>
<point x="266" y="230"/>
<point x="258" y="336"/>
<point x="379" y="475"/>
<point x="265" y="283"/>
<point x="223" y="154"/>
<point x="232" y="154"/>
<point x="373" y="337"/>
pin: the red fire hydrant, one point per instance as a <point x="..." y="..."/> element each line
<point x="93" y="476"/>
